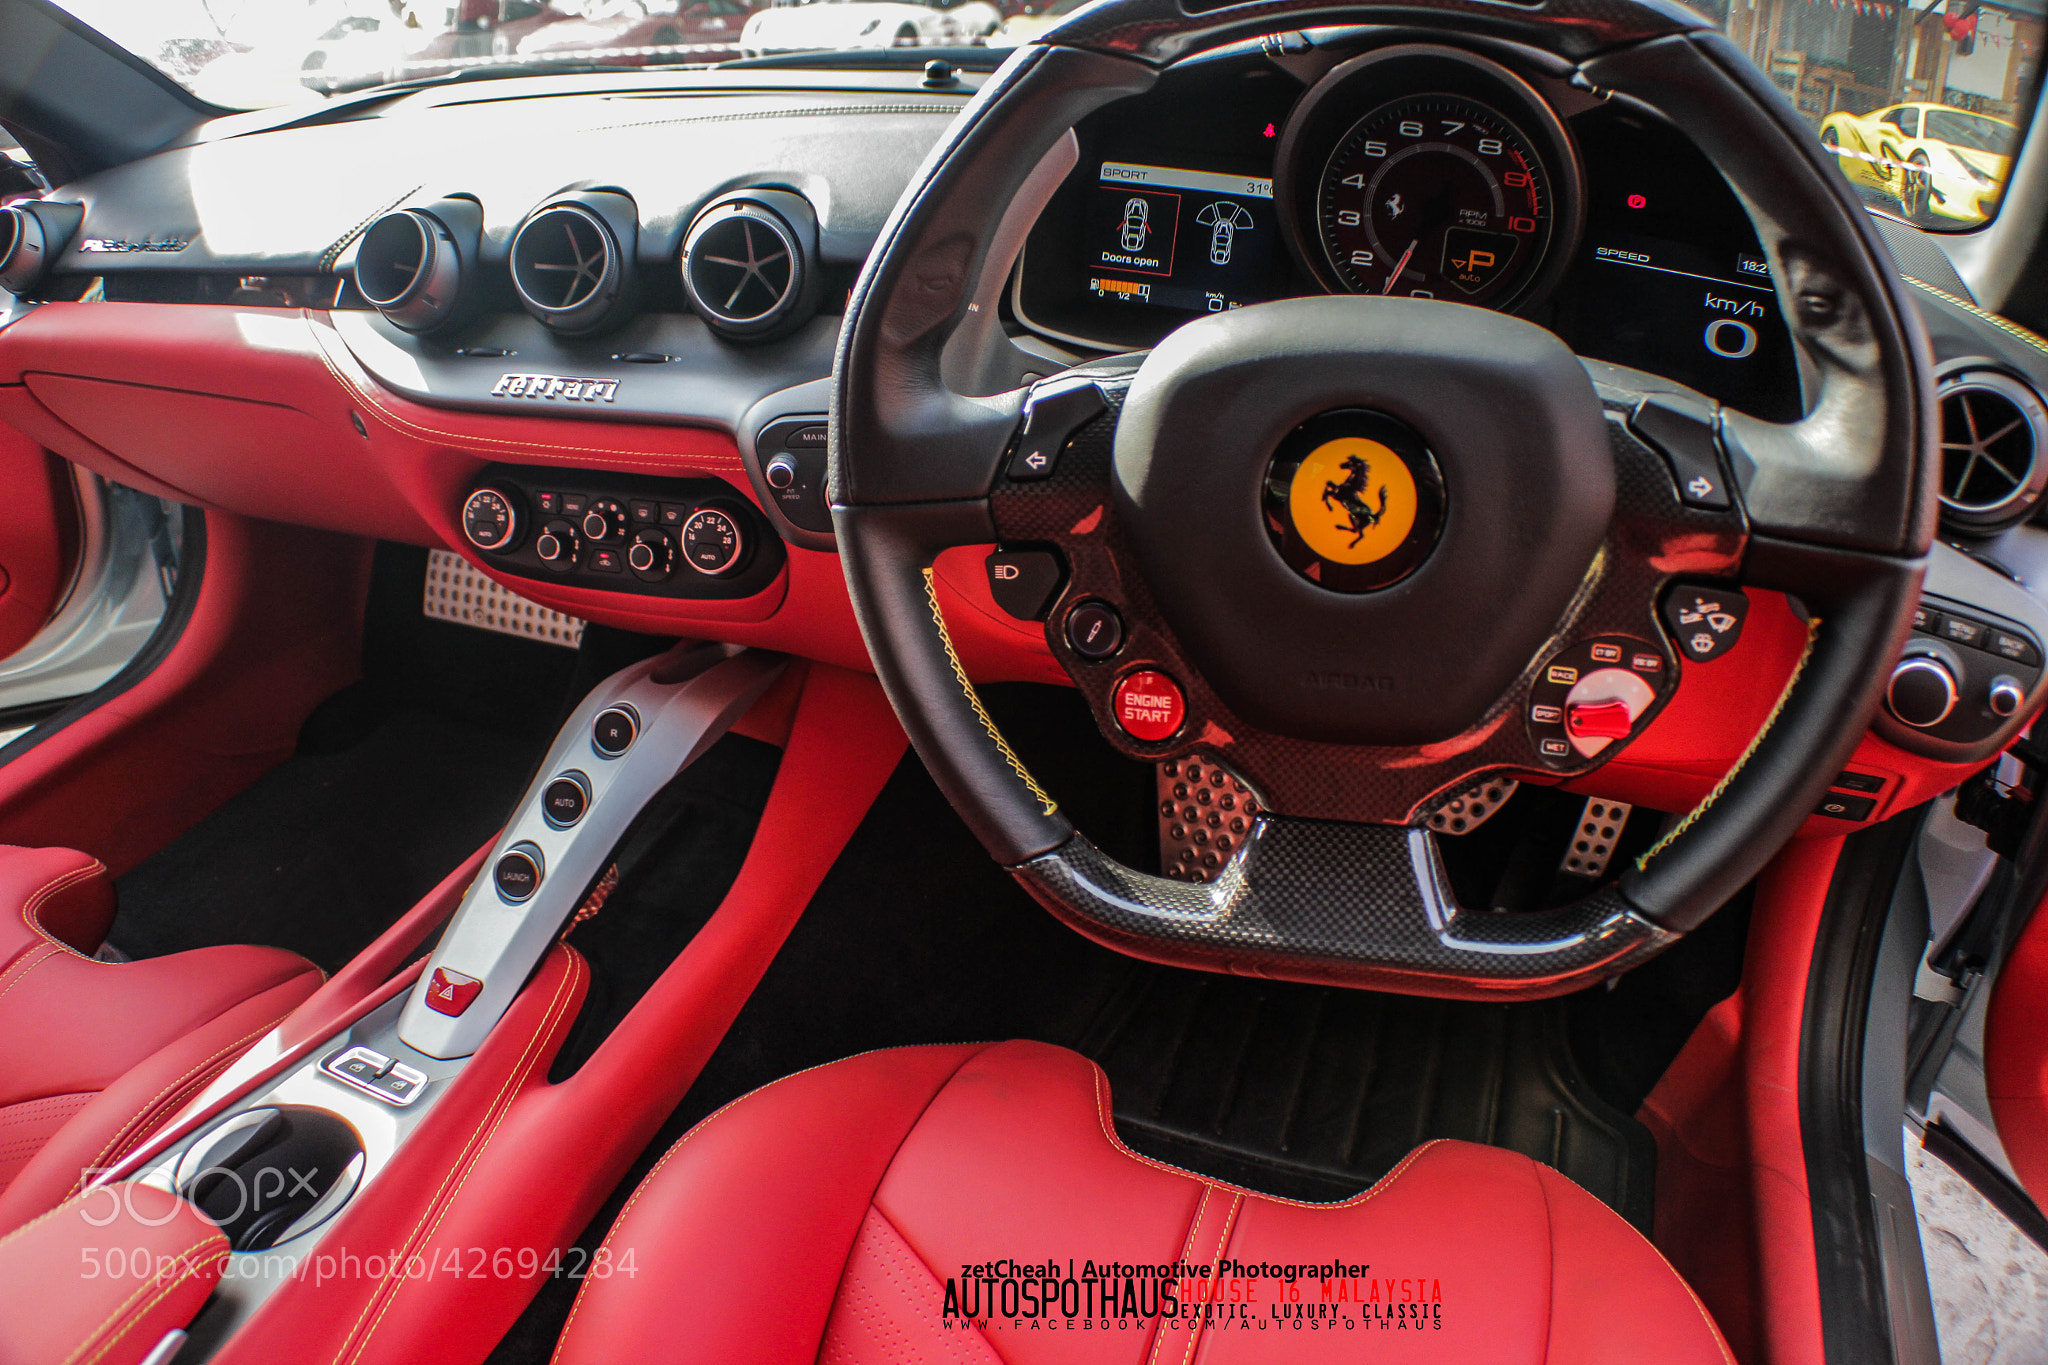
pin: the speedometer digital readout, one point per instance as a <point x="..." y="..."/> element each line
<point x="1435" y="196"/>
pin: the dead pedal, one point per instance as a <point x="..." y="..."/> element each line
<point x="459" y="593"/>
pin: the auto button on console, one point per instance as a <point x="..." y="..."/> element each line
<point x="565" y="800"/>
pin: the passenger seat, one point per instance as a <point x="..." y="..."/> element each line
<point x="94" y="1055"/>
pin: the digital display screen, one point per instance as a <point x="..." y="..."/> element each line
<point x="1705" y="317"/>
<point x="1198" y="241"/>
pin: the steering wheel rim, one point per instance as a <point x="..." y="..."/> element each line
<point x="1836" y="509"/>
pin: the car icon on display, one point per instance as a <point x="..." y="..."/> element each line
<point x="1137" y="222"/>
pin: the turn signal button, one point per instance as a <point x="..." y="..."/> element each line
<point x="1598" y="720"/>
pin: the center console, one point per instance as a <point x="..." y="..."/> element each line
<point x="278" y="1167"/>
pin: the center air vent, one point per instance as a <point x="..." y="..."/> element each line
<point x="572" y="262"/>
<point x="411" y="265"/>
<point x="747" y="264"/>
<point x="1992" y="429"/>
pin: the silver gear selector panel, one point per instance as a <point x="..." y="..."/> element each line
<point x="632" y="734"/>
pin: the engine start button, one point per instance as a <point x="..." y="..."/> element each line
<point x="1149" y="706"/>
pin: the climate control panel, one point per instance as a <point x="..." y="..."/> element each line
<point x="621" y="532"/>
<point x="1963" y="674"/>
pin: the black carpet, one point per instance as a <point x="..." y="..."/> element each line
<point x="397" y="779"/>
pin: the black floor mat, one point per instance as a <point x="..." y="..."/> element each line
<point x="1314" y="1093"/>
<point x="398" y="778"/>
<point x="326" y="850"/>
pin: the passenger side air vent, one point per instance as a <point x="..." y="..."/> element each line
<point x="32" y="236"/>
<point x="572" y="262"/>
<point x="1992" y="470"/>
<point x="749" y="264"/>
<point x="415" y="265"/>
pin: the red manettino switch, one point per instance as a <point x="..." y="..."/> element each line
<point x="1598" y="720"/>
<point x="450" y="992"/>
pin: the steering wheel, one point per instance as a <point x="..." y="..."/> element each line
<point x="1551" y="527"/>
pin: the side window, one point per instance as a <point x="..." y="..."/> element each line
<point x="1909" y="122"/>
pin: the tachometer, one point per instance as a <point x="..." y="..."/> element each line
<point x="1436" y="196"/>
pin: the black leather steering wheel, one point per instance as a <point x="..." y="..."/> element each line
<point x="1563" y="527"/>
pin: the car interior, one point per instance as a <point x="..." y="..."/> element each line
<point x="1290" y="680"/>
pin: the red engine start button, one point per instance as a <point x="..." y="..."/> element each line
<point x="1149" y="706"/>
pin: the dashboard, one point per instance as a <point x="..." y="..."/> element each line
<point x="1413" y="171"/>
<point x="370" y="321"/>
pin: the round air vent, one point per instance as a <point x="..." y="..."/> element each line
<point x="569" y="268"/>
<point x="410" y="270"/>
<point x="746" y="266"/>
<point x="1992" y="429"/>
<point x="22" y="254"/>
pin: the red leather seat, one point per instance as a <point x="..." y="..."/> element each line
<point x="826" y="1216"/>
<point x="93" y="1055"/>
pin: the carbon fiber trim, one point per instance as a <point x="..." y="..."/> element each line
<point x="1363" y="905"/>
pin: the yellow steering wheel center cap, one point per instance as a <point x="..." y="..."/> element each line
<point x="1354" y="501"/>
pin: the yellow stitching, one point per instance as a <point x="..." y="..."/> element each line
<point x="128" y="1307"/>
<point x="471" y="1152"/>
<point x="1812" y="634"/>
<point x="1996" y="321"/>
<point x="931" y="593"/>
<point x="31" y="910"/>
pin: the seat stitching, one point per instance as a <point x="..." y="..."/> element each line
<point x="143" y="1114"/>
<point x="142" y="1313"/>
<point x="1713" y="1328"/>
<point x="1109" y="1132"/>
<point x="199" y="1081"/>
<point x="40" y="1218"/>
<point x="647" y="1181"/>
<point x="1223" y="1242"/>
<point x="905" y="1241"/>
<point x="26" y="963"/>
<point x="42" y="897"/>
<point x="473" y="1148"/>
<point x="127" y="1305"/>
<point x="1187" y="1249"/>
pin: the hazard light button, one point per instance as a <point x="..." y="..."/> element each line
<point x="450" y="993"/>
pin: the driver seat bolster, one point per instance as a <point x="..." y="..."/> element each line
<point x="820" y="1219"/>
<point x="95" y="1055"/>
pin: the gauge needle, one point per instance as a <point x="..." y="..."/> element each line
<point x="1400" y="266"/>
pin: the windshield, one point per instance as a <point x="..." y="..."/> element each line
<point x="1897" y="91"/>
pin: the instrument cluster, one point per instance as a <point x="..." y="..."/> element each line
<point x="1415" y="170"/>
